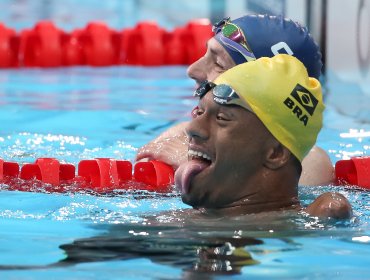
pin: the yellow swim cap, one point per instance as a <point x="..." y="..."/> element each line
<point x="284" y="98"/>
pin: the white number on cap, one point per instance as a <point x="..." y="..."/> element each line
<point x="281" y="45"/>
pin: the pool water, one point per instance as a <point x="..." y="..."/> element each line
<point x="82" y="113"/>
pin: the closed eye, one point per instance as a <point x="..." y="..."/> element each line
<point x="219" y="67"/>
<point x="222" y="117"/>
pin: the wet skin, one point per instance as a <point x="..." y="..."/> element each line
<point x="230" y="143"/>
<point x="171" y="146"/>
<point x="235" y="174"/>
<point x="215" y="61"/>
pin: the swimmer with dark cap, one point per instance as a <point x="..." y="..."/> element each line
<point x="246" y="144"/>
<point x="244" y="40"/>
<point x="235" y="42"/>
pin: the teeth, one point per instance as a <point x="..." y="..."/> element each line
<point x="193" y="153"/>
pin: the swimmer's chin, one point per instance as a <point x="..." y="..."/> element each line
<point x="195" y="202"/>
<point x="192" y="176"/>
<point x="195" y="194"/>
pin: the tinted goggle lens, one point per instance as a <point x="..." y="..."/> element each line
<point x="233" y="37"/>
<point x="230" y="30"/>
<point x="223" y="94"/>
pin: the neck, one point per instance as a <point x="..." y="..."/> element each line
<point x="272" y="191"/>
<point x="248" y="206"/>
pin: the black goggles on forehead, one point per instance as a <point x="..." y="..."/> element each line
<point x="222" y="94"/>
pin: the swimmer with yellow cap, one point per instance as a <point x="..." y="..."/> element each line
<point x="253" y="126"/>
<point x="283" y="97"/>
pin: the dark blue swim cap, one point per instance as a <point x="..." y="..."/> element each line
<point x="255" y="36"/>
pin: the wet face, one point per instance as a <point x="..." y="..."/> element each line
<point x="227" y="147"/>
<point x="212" y="64"/>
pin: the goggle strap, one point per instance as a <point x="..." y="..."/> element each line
<point x="249" y="56"/>
<point x="218" y="25"/>
<point x="203" y="89"/>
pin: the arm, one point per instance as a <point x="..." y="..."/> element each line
<point x="171" y="147"/>
<point x="317" y="169"/>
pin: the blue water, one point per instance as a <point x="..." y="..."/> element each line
<point x="82" y="113"/>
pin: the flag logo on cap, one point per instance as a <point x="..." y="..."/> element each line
<point x="302" y="102"/>
<point x="305" y="98"/>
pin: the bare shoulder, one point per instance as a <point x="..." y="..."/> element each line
<point x="330" y="205"/>
<point x="317" y="168"/>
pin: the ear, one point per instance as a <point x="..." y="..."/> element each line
<point x="277" y="155"/>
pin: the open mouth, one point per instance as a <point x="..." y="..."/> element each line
<point x="196" y="155"/>
<point x="197" y="162"/>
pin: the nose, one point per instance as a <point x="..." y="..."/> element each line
<point x="198" y="128"/>
<point x="197" y="71"/>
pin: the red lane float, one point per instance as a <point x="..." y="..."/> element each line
<point x="99" y="175"/>
<point x="143" y="45"/>
<point x="9" y="46"/>
<point x="73" y="53"/>
<point x="8" y="169"/>
<point x="99" y="44"/>
<point x="47" y="170"/>
<point x="197" y="34"/>
<point x="154" y="173"/>
<point x="354" y="171"/>
<point x="146" y="44"/>
<point x="41" y="46"/>
<point x="105" y="175"/>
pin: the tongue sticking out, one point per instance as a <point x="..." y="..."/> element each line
<point x="185" y="173"/>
